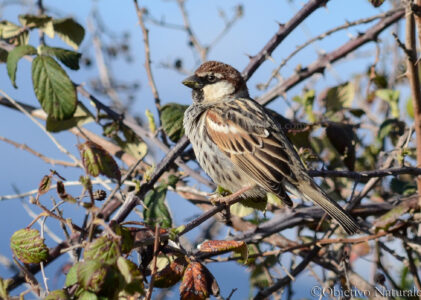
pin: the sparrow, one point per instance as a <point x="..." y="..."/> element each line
<point x="238" y="143"/>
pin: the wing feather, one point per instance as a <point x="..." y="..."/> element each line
<point x="254" y="149"/>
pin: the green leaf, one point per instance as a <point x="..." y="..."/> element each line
<point x="92" y="274"/>
<point x="44" y="23"/>
<point x="307" y="101"/>
<point x="58" y="295"/>
<point x="9" y="30"/>
<point x="4" y="284"/>
<point x="3" y="55"/>
<point x="410" y="108"/>
<point x="391" y="97"/>
<point x="132" y="276"/>
<point x="151" y="121"/>
<point x="338" y="97"/>
<point x="97" y="160"/>
<point x="172" y="115"/>
<point x="71" y="32"/>
<point x="157" y="210"/>
<point x="392" y="128"/>
<point x="71" y="277"/>
<point x="28" y="246"/>
<point x="103" y="249"/>
<point x="81" y="116"/>
<point x="53" y="88"/>
<point x="14" y="56"/>
<point x="68" y="57"/>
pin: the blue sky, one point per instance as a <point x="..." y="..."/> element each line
<point x="248" y="35"/>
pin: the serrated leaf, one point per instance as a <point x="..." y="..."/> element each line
<point x="71" y="32"/>
<point x="91" y="275"/>
<point x="216" y="246"/>
<point x="338" y="97"/>
<point x="9" y="29"/>
<point x="157" y="210"/>
<point x="71" y="277"/>
<point x="53" y="88"/>
<point x="28" y="246"/>
<point x="58" y="295"/>
<point x="44" y="23"/>
<point x="391" y="97"/>
<point x="132" y="276"/>
<point x="172" y="115"/>
<point x="198" y="283"/>
<point x="44" y="185"/>
<point x="127" y="239"/>
<point x="81" y="116"/>
<point x="3" y="55"/>
<point x="68" y="57"/>
<point x="171" y="273"/>
<point x="14" y="56"/>
<point x="98" y="161"/>
<point x="342" y="138"/>
<point x="103" y="249"/>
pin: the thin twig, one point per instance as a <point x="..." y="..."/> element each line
<point x="322" y="36"/>
<point x="154" y="260"/>
<point x="414" y="80"/>
<point x="52" y="138"/>
<point x="192" y="37"/>
<point x="280" y="35"/>
<point x="320" y="64"/>
<point x="43" y="157"/>
<point x="148" y="68"/>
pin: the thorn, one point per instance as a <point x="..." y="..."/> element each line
<point x="249" y="56"/>
<point x="281" y="25"/>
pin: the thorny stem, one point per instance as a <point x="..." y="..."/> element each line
<point x="414" y="80"/>
<point x="151" y="80"/>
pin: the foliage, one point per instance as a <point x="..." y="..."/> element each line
<point x="352" y="130"/>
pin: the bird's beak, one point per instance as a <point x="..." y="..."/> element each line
<point x="193" y="82"/>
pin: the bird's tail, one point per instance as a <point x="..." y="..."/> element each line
<point x="311" y="191"/>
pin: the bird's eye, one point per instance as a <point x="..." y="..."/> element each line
<point x="211" y="78"/>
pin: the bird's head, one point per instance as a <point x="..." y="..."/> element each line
<point x="214" y="82"/>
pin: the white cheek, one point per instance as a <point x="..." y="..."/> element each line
<point x="217" y="91"/>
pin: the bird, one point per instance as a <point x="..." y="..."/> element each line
<point x="238" y="143"/>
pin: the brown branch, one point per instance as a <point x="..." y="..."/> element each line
<point x="366" y="174"/>
<point x="323" y="62"/>
<point x="225" y="202"/>
<point x="148" y="68"/>
<point x="263" y="294"/>
<point x="414" y="81"/>
<point x="154" y="260"/>
<point x="280" y="35"/>
<point x="36" y="153"/>
<point x="203" y="51"/>
<point x="322" y="36"/>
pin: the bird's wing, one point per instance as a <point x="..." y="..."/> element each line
<point x="247" y="135"/>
